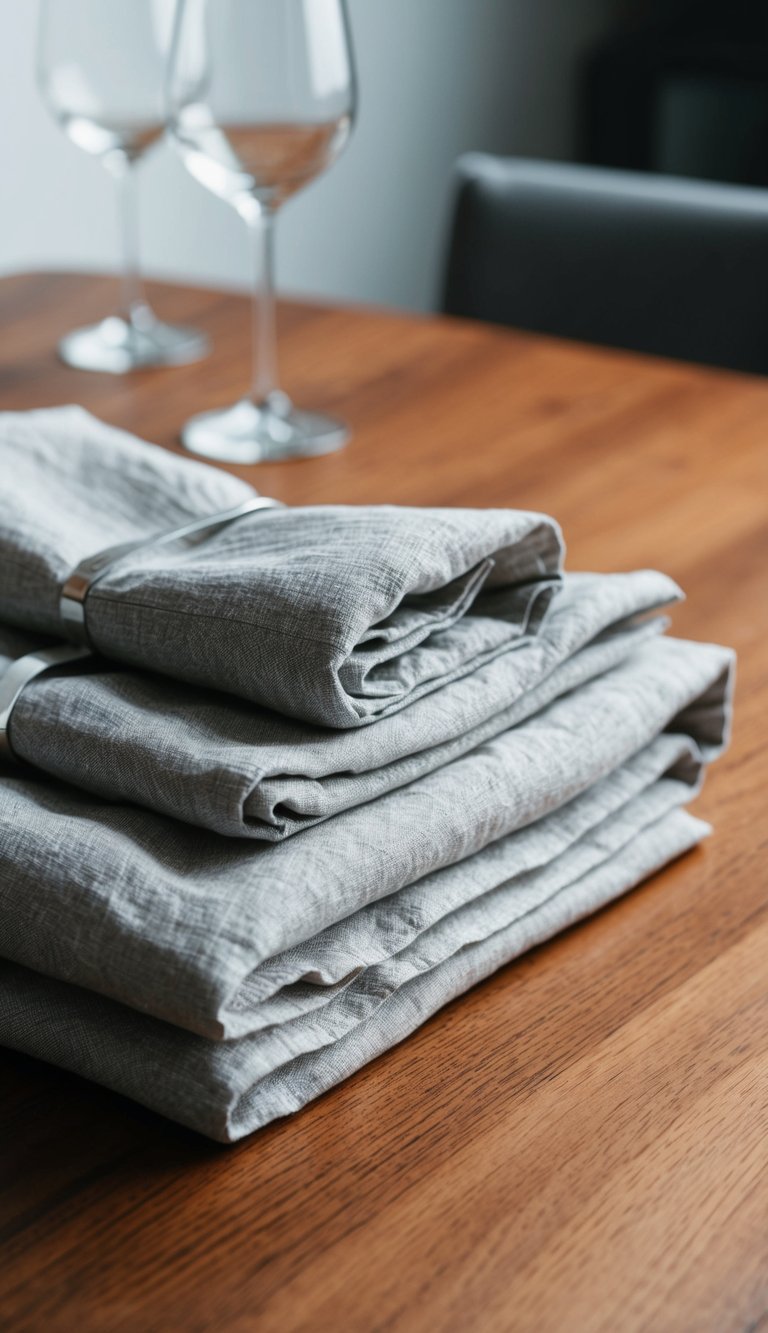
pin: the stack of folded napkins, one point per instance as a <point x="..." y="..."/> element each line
<point x="323" y="770"/>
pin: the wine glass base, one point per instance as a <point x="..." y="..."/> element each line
<point x="117" y="346"/>
<point x="267" y="432"/>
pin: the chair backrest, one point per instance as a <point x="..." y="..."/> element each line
<point x="652" y="263"/>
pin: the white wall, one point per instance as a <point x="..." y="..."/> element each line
<point x="437" y="77"/>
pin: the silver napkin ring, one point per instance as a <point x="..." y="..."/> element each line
<point x="94" y="567"/>
<point x="19" y="674"/>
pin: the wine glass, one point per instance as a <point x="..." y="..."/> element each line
<point x="261" y="99"/>
<point x="101" y="71"/>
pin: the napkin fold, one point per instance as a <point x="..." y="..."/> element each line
<point x="245" y="771"/>
<point x="231" y="1088"/>
<point x="177" y="922"/>
<point x="337" y="615"/>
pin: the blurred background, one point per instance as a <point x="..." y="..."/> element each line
<point x="670" y="87"/>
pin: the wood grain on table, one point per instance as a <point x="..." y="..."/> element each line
<point x="581" y="1143"/>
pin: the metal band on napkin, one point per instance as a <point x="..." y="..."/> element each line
<point x="79" y="583"/>
<point x="19" y="674"/>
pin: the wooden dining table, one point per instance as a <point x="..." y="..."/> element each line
<point x="581" y="1142"/>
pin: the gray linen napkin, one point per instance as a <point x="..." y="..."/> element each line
<point x="463" y="899"/>
<point x="338" y="615"/>
<point x="227" y="765"/>
<point x="174" y="921"/>
<point x="228" y="1089"/>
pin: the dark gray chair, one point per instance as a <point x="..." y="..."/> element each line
<point x="652" y="263"/>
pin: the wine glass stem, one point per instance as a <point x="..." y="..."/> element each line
<point x="261" y="224"/>
<point x="132" y="300"/>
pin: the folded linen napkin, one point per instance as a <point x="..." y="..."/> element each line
<point x="176" y="922"/>
<point x="231" y="766"/>
<point x="463" y="903"/>
<point x="228" y="1089"/>
<point x="338" y="615"/>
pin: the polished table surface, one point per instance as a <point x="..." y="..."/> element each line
<point x="580" y="1143"/>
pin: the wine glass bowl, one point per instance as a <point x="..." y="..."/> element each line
<point x="242" y="167"/>
<point x="100" y="71"/>
<point x="261" y="100"/>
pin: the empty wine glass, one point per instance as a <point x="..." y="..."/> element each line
<point x="261" y="99"/>
<point x="101" y="69"/>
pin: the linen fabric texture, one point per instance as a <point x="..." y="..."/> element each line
<point x="472" y="750"/>
<point x="230" y="1088"/>
<point x="245" y="771"/>
<point x="335" y="614"/>
<point x="194" y="929"/>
